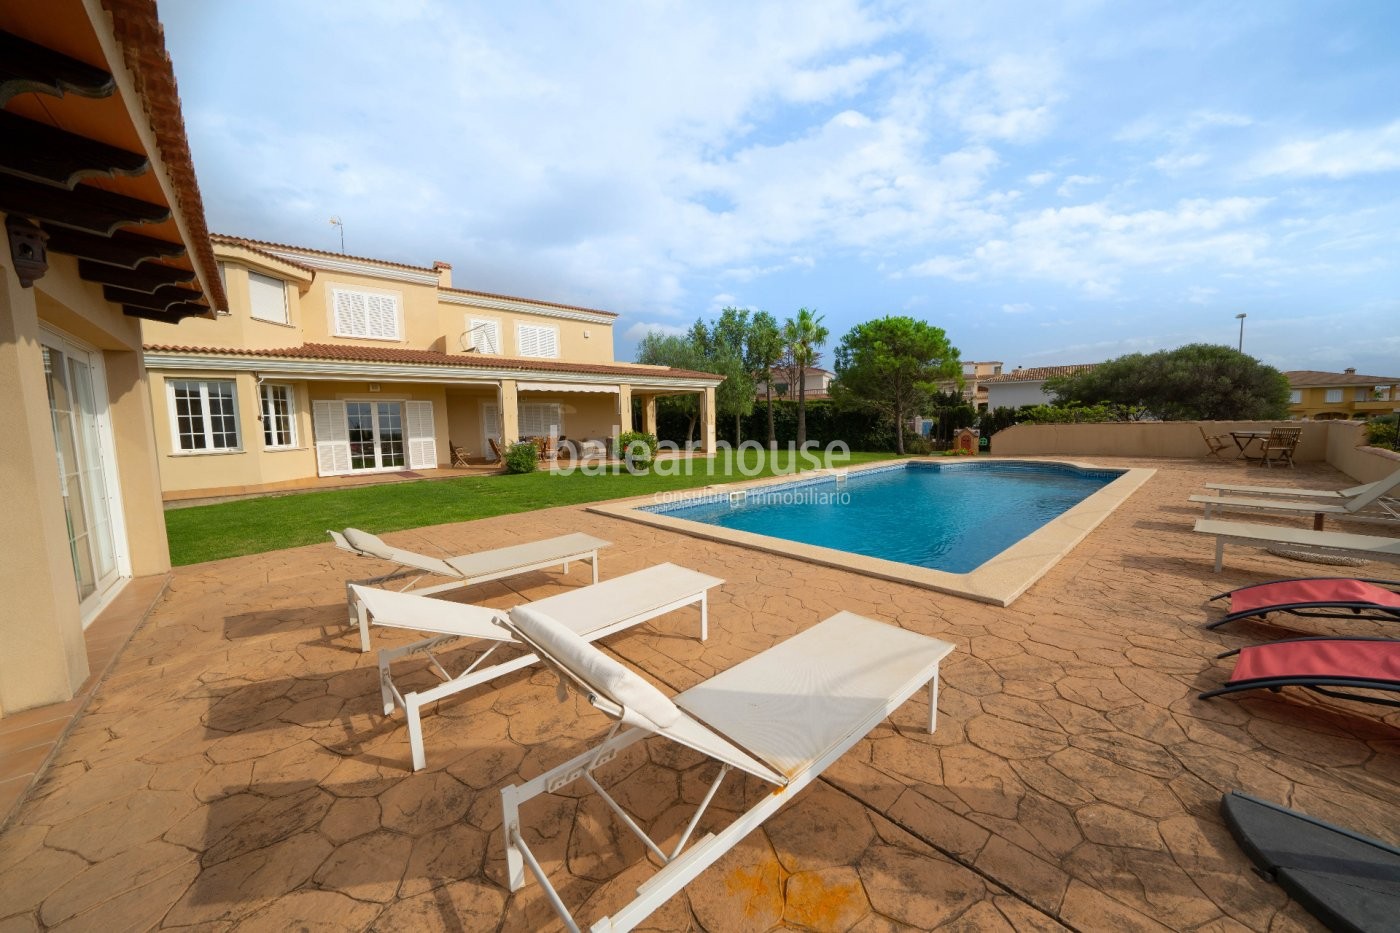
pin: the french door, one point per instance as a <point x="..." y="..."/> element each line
<point x="87" y="472"/>
<point x="376" y="435"/>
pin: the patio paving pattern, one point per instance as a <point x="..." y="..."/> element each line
<point x="235" y="769"/>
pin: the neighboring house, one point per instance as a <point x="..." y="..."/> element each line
<point x="328" y="364"/>
<point x="103" y="215"/>
<point x="817" y="384"/>
<point x="1022" y="387"/>
<point x="1319" y="396"/>
<point x="974" y="376"/>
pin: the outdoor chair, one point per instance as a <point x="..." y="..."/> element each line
<point x="1314" y="598"/>
<point x="1348" y="881"/>
<point x="1372" y="547"/>
<point x="592" y="612"/>
<point x="459" y="455"/>
<point x="1285" y="492"/>
<point x="495" y="445"/>
<point x="783" y="716"/>
<point x="1216" y="444"/>
<point x="1331" y="666"/>
<point x="463" y="570"/>
<point x="1280" y="444"/>
<point x="1370" y="505"/>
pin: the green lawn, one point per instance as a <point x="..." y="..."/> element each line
<point x="252" y="526"/>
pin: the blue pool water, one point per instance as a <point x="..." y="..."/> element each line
<point x="950" y="517"/>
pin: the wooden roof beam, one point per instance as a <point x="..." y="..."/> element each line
<point x="29" y="68"/>
<point x="42" y="153"/>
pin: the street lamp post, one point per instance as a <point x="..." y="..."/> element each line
<point x="1240" y="317"/>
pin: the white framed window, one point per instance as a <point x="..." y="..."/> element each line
<point x="1334" y="396"/>
<point x="1295" y="397"/>
<point x="483" y="335"/>
<point x="538" y="341"/>
<point x="365" y="314"/>
<point x="203" y="414"/>
<point x="540" y="419"/>
<point x="267" y="298"/>
<point x="278" y="416"/>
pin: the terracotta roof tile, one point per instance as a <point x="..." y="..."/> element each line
<point x="136" y="25"/>
<point x="1302" y="378"/>
<point x="1037" y="373"/>
<point x="367" y="354"/>
<point x="533" y="301"/>
<point x="267" y="244"/>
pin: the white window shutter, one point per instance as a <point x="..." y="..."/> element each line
<point x="485" y="336"/>
<point x="549" y="343"/>
<point x="349" y="314"/>
<point x="332" y="438"/>
<point x="542" y="342"/>
<point x="383" y="316"/>
<point x="490" y="424"/>
<point x="422" y="440"/>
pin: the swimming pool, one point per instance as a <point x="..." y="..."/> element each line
<point x="982" y="529"/>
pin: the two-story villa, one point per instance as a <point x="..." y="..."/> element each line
<point x="1322" y="396"/>
<point x="328" y="365"/>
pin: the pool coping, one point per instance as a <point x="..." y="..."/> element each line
<point x="1000" y="580"/>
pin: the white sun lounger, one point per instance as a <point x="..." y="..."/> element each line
<point x="592" y="612"/>
<point x="1284" y="492"/>
<point x="1371" y="547"/>
<point x="466" y="569"/>
<point x="783" y="716"/>
<point x="1369" y="505"/>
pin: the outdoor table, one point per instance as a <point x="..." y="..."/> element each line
<point x="1243" y="439"/>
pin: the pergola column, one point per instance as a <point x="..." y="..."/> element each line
<point x="707" y="419"/>
<point x="624" y="408"/>
<point x="649" y="414"/>
<point x="510" y="413"/>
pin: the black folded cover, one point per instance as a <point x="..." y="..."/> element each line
<point x="1347" y="881"/>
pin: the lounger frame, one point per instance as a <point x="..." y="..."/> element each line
<point x="680" y="866"/>
<point x="1307" y="610"/>
<point x="1316" y="684"/>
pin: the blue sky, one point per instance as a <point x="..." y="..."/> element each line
<point x="1049" y="186"/>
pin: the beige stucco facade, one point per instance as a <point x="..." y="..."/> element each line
<point x="423" y="368"/>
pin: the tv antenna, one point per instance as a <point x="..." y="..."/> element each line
<point x="335" y="222"/>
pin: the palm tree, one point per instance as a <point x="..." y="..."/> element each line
<point x="765" y="350"/>
<point x="804" y="336"/>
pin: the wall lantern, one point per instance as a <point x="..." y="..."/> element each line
<point x="27" y="249"/>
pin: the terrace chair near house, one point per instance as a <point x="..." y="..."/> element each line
<point x="782" y="716"/>
<point x="1216" y="444"/>
<point x="592" y="612"/>
<point x="1279" y="446"/>
<point x="459" y="455"/>
<point x="1348" y="881"/>
<point x="463" y="570"/>
<point x="1328" y="495"/>
<point x="1332" y="666"/>
<point x="1371" y="547"/>
<point x="1369" y="505"/>
<point x="1314" y="598"/>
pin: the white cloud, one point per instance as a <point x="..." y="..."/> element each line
<point x="1334" y="155"/>
<point x="1076" y="181"/>
<point x="1019" y="307"/>
<point x="1199" y="294"/>
<point x="640" y="329"/>
<point x="1174" y="163"/>
<point x="1008" y="98"/>
<point x="1037" y="179"/>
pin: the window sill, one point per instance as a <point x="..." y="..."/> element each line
<point x="207" y="453"/>
<point x="379" y="339"/>
<point x="262" y="320"/>
<point x="282" y="450"/>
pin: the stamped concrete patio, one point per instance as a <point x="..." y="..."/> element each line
<point x="234" y="770"/>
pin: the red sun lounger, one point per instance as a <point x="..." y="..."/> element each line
<point x="1333" y="667"/>
<point x="1315" y="597"/>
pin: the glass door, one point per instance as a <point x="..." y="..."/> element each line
<point x="376" y="435"/>
<point x="86" y="471"/>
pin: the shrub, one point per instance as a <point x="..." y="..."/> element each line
<point x="637" y="448"/>
<point x="522" y="458"/>
<point x="1381" y="432"/>
<point x="918" y="445"/>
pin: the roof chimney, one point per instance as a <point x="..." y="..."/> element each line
<point x="1350" y="370"/>
<point x="444" y="271"/>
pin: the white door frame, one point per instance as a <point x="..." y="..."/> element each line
<point x="112" y="583"/>
<point x="374" y="404"/>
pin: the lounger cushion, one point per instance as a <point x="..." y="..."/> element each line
<point x="1324" y="590"/>
<point x="368" y="543"/>
<point x="593" y="667"/>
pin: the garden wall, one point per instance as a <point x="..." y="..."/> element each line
<point x="1335" y="442"/>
